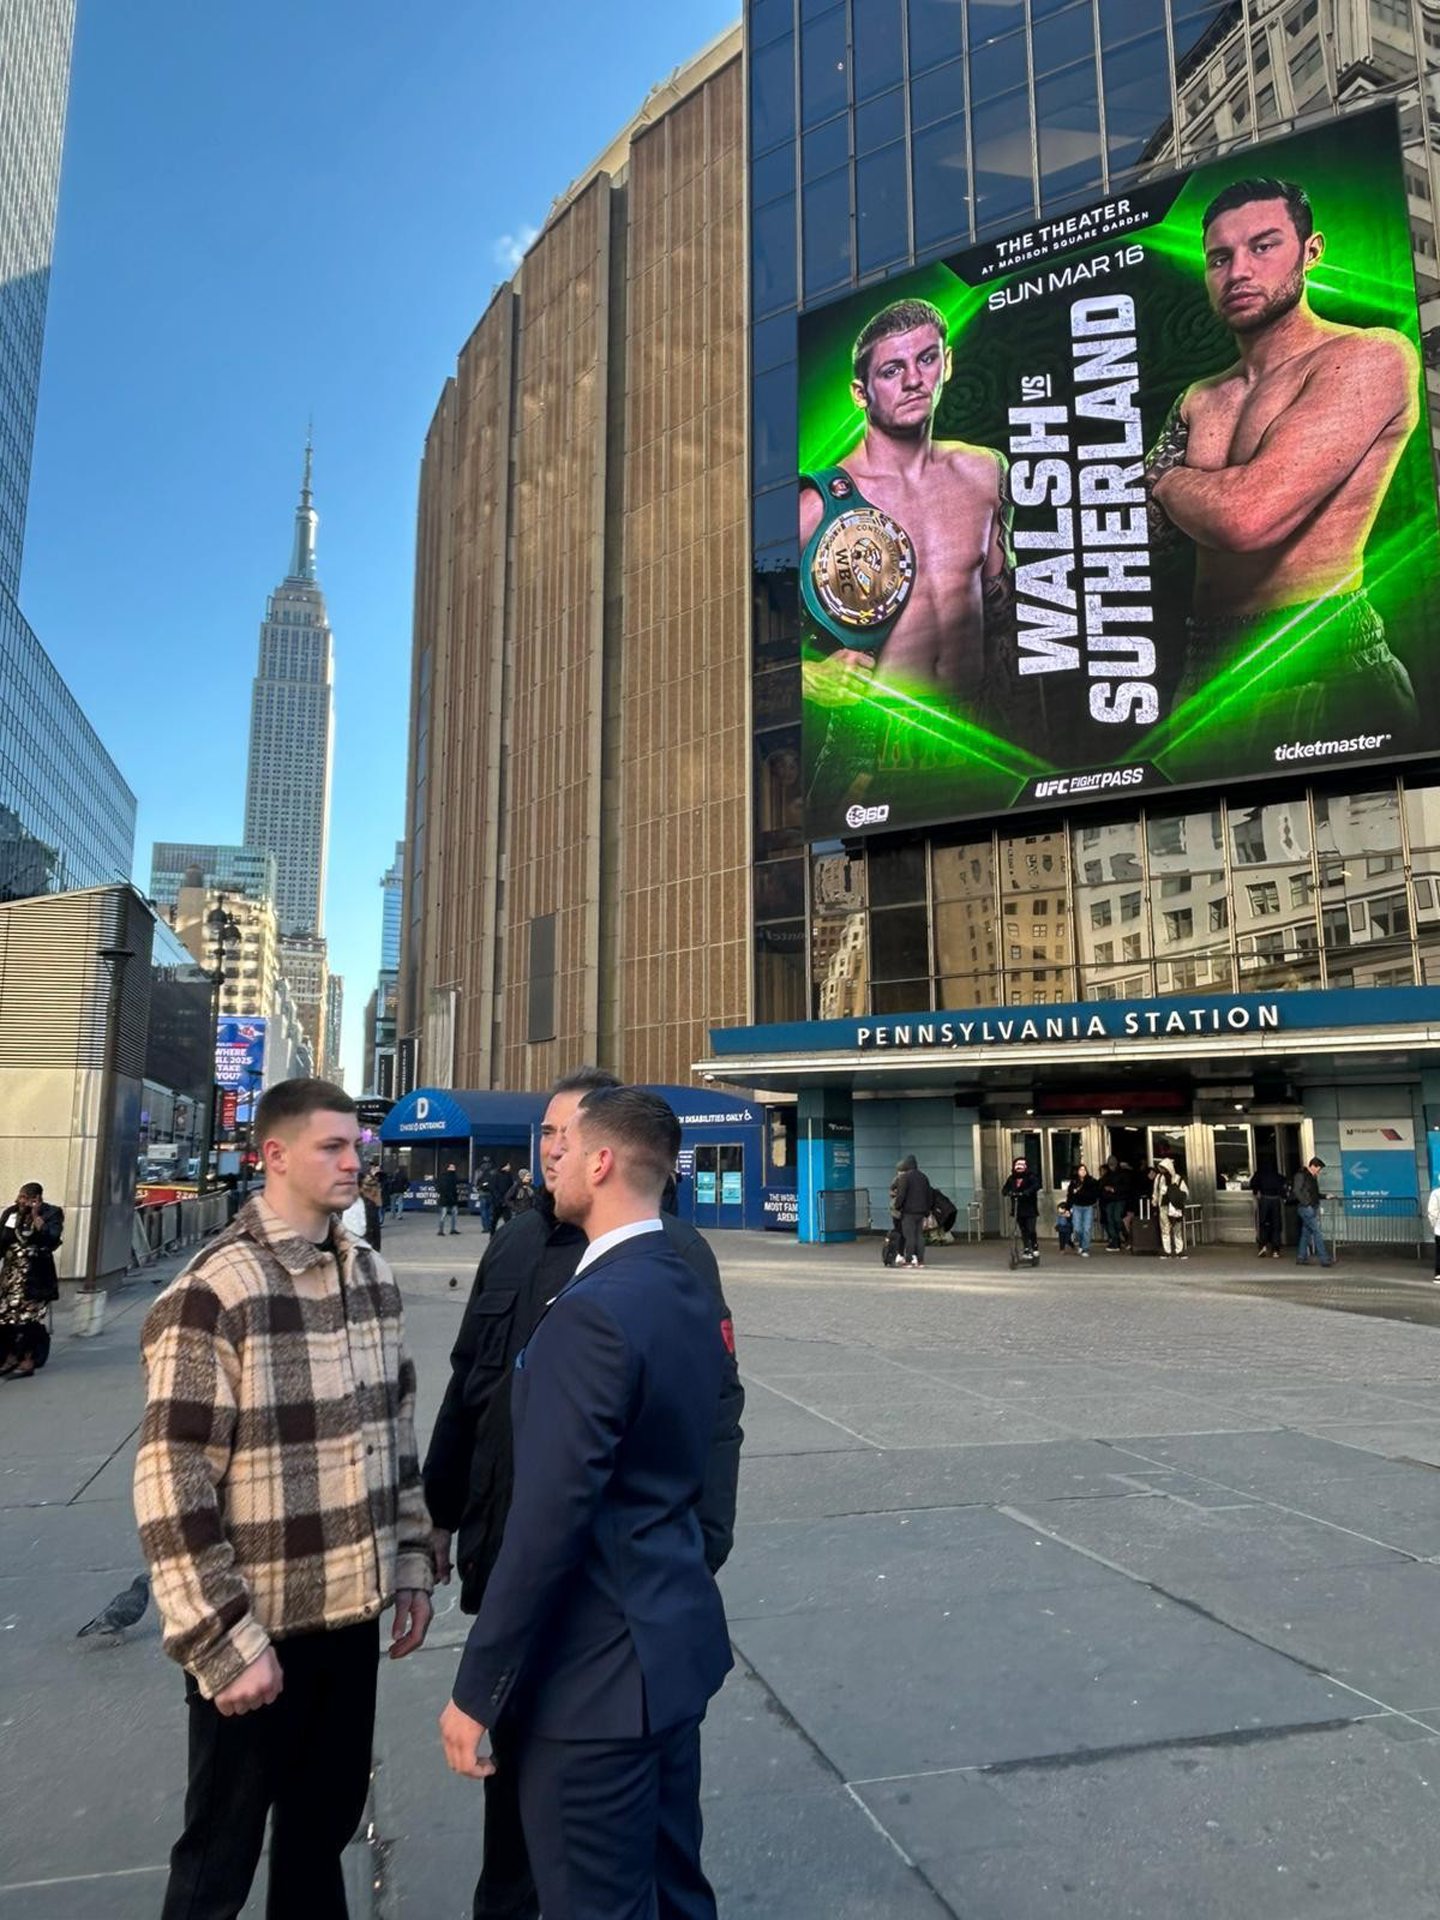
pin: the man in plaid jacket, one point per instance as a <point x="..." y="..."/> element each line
<point x="279" y="1499"/>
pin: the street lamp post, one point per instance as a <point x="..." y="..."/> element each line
<point x="115" y="959"/>
<point x="225" y="935"/>
<point x="207" y="1137"/>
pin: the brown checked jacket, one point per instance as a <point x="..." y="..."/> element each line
<point x="277" y="1485"/>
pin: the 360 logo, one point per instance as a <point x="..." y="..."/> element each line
<point x="867" y="816"/>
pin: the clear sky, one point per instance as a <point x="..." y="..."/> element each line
<point x="270" y="210"/>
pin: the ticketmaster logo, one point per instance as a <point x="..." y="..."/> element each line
<point x="867" y="816"/>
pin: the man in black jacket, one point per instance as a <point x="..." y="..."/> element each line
<point x="910" y="1197"/>
<point x="469" y="1468"/>
<point x="447" y="1189"/>
<point x="1022" y="1190"/>
<point x="1268" y="1187"/>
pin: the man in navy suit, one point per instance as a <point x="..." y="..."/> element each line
<point x="602" y="1637"/>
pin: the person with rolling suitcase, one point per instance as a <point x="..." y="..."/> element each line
<point x="1170" y="1198"/>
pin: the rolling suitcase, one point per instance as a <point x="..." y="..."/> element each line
<point x="1145" y="1233"/>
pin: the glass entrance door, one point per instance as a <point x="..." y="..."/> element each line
<point x="720" y="1185"/>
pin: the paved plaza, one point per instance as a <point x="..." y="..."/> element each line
<point x="1106" y="1590"/>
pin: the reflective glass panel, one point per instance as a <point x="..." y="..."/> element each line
<point x="827" y="233"/>
<point x="938" y="161"/>
<point x="1067" y="114"/>
<point x="936" y="30"/>
<point x="772" y="95"/>
<point x="1004" y="192"/>
<point x="879" y="37"/>
<point x="882" y="228"/>
<point x="824" y="68"/>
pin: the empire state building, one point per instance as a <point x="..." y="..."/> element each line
<point x="292" y="729"/>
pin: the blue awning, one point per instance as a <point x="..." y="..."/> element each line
<point x="442" y="1113"/>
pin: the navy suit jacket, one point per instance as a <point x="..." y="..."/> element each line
<point x="601" y="1611"/>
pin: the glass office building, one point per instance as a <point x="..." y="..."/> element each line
<point x="886" y="134"/>
<point x="67" y="818"/>
<point x="35" y="37"/>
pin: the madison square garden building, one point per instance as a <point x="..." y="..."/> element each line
<point x="1088" y="797"/>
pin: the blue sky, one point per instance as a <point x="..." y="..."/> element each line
<point x="271" y="210"/>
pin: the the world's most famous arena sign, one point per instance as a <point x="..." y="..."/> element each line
<point x="1140" y="497"/>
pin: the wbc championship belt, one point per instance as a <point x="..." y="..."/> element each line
<point x="858" y="567"/>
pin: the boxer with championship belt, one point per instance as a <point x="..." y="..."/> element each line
<point x="906" y="563"/>
<point x="1276" y="469"/>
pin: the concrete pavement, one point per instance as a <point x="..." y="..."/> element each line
<point x="1103" y="1590"/>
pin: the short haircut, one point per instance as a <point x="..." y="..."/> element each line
<point x="291" y="1100"/>
<point x="585" y="1080"/>
<point x="32" y="1190"/>
<point x="1240" y="193"/>
<point x="901" y="316"/>
<point x="639" y="1124"/>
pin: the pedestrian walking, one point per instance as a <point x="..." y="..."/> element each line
<point x="1170" y="1196"/>
<point x="1114" y="1192"/>
<point x="601" y="1637"/>
<point x="280" y="1507"/>
<point x="522" y="1194"/>
<point x="1305" y="1188"/>
<point x="397" y="1186"/>
<point x="484" y="1173"/>
<point x="469" y="1466"/>
<point x="447" y="1191"/>
<point x="1267" y="1183"/>
<point x="911" y="1196"/>
<point x="372" y="1199"/>
<point x="1022" y="1190"/>
<point x="502" y="1185"/>
<point x="1082" y="1196"/>
<point x="30" y="1232"/>
<point x="1432" y="1214"/>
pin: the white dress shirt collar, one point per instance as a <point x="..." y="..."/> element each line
<point x="613" y="1239"/>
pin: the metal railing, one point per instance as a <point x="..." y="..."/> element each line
<point x="169" y="1225"/>
<point x="1376" y="1225"/>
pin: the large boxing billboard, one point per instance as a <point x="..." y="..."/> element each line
<point x="1138" y="498"/>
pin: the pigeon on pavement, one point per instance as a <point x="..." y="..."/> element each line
<point x="127" y="1609"/>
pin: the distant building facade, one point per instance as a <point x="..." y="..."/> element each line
<point x="305" y="965"/>
<point x="230" y="932"/>
<point x="334" y="1026"/>
<point x="577" y="840"/>
<point x="232" y="870"/>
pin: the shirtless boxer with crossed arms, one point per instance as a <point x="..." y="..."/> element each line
<point x="1276" y="469"/>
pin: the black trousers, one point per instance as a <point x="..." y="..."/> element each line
<point x="614" y="1826"/>
<point x="506" y="1887"/>
<point x="1271" y="1212"/>
<point x="912" y="1236"/>
<point x="305" y="1760"/>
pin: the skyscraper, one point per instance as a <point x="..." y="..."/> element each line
<point x="287" y="785"/>
<point x="35" y="38"/>
<point x="392" y="882"/>
<point x="67" y="818"/>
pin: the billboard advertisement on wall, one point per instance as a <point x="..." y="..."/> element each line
<point x="1137" y="498"/>
<point x="240" y="1060"/>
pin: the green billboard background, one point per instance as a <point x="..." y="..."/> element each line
<point x="884" y="757"/>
